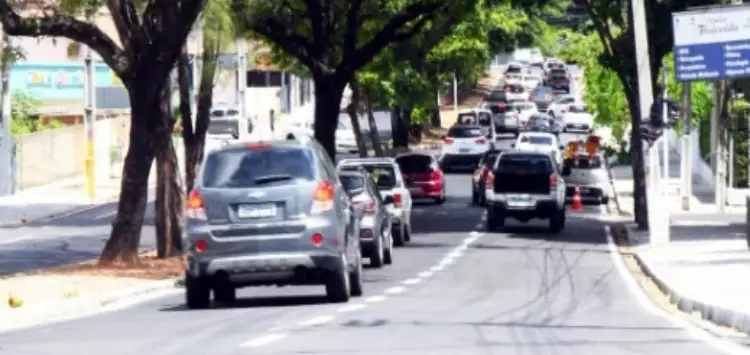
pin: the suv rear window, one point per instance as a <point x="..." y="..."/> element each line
<point x="239" y="168"/>
<point x="513" y="69"/>
<point x="558" y="72"/>
<point x="353" y="183"/>
<point x="496" y="96"/>
<point x="525" y="163"/>
<point x="464" y="132"/>
<point x="411" y="164"/>
<point x="537" y="140"/>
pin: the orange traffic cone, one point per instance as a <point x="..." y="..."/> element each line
<point x="577" y="204"/>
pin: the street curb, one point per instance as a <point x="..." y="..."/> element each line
<point x="63" y="214"/>
<point x="140" y="291"/>
<point x="717" y="315"/>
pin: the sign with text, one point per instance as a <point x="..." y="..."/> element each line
<point x="712" y="43"/>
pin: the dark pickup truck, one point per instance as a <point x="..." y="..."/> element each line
<point x="526" y="185"/>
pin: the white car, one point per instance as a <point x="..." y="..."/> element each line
<point x="400" y="210"/>
<point x="479" y="116"/>
<point x="464" y="145"/>
<point x="515" y="92"/>
<point x="552" y="63"/>
<point x="346" y="142"/>
<point x="577" y="119"/>
<point x="542" y="142"/>
<point x="224" y="121"/>
<point x="530" y="82"/>
<point x="560" y="106"/>
<point x="536" y="56"/>
<point x="525" y="110"/>
<point x="514" y="71"/>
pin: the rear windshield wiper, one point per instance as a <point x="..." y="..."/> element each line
<point x="271" y="178"/>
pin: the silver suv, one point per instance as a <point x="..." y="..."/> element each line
<point x="270" y="213"/>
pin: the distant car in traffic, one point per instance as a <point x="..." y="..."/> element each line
<point x="590" y="175"/>
<point x="496" y="98"/>
<point x="530" y="81"/>
<point x="480" y="174"/>
<point x="463" y="146"/>
<point x="392" y="187"/>
<point x="577" y="119"/>
<point x="376" y="241"/>
<point x="423" y="175"/>
<point x="516" y="91"/>
<point x="513" y="71"/>
<point x="224" y="120"/>
<point x="301" y="129"/>
<point x="525" y="109"/>
<point x="560" y="106"/>
<point x="542" y="96"/>
<point x="506" y="120"/>
<point x="270" y="213"/>
<point x="543" y="142"/>
<point x="540" y="122"/>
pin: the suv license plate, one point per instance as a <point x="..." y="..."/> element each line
<point x="464" y="150"/>
<point x="256" y="211"/>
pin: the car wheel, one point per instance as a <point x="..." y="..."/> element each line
<point x="398" y="235"/>
<point x="338" y="287"/>
<point x="441" y="200"/>
<point x="224" y="292"/>
<point x="557" y="222"/>
<point x="388" y="252"/>
<point x="197" y="292"/>
<point x="290" y="137"/>
<point x="474" y="196"/>
<point x="407" y="233"/>
<point x="376" y="257"/>
<point x="483" y="200"/>
<point x="355" y="279"/>
<point x="494" y="221"/>
<point x="605" y="200"/>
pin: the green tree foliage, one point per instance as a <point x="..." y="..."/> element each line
<point x="701" y="100"/>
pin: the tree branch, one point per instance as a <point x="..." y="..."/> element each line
<point x="67" y="27"/>
<point x="290" y="41"/>
<point x="351" y="33"/>
<point x="602" y="28"/>
<point x="391" y="33"/>
<point x="126" y="21"/>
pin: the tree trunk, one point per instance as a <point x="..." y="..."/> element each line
<point x="374" y="134"/>
<point x="168" y="190"/>
<point x="186" y="114"/>
<point x="435" y="120"/>
<point x="353" y="110"/>
<point x="329" y="89"/>
<point x="400" y="132"/>
<point x="124" y="240"/>
<point x="195" y="140"/>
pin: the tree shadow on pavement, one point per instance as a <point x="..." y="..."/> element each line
<point x="582" y="230"/>
<point x="259" y="302"/>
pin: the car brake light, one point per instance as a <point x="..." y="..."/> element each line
<point x="397" y="200"/>
<point x="258" y="146"/>
<point x="553" y="180"/>
<point x="195" y="208"/>
<point x="435" y="175"/>
<point x="489" y="180"/>
<point x="201" y="245"/>
<point x="480" y="141"/>
<point x="370" y="207"/>
<point x="448" y="140"/>
<point x="317" y="239"/>
<point x="323" y="197"/>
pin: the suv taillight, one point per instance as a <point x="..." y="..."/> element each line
<point x="323" y="197"/>
<point x="435" y="175"/>
<point x="489" y="180"/>
<point x="480" y="141"/>
<point x="553" y="181"/>
<point x="397" y="200"/>
<point x="370" y="207"/>
<point x="448" y="140"/>
<point x="195" y="207"/>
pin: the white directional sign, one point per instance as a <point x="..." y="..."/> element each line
<point x="712" y="43"/>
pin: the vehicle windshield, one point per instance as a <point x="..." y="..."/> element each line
<point x="513" y="70"/>
<point x="353" y="184"/>
<point x="530" y="78"/>
<point x="240" y="168"/>
<point x="465" y="132"/>
<point x="496" y="96"/>
<point x="414" y="164"/>
<point x="537" y="140"/>
<point x="577" y="109"/>
<point x="558" y="72"/>
<point x="523" y="106"/>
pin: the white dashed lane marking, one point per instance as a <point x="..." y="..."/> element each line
<point x="279" y="332"/>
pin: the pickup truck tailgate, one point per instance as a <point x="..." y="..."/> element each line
<point x="519" y="182"/>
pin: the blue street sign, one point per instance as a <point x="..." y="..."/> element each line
<point x="712" y="43"/>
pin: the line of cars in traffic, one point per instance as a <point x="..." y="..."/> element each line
<point x="282" y="213"/>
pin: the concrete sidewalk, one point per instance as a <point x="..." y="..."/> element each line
<point x="705" y="267"/>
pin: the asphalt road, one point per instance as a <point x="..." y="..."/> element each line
<point x="455" y="289"/>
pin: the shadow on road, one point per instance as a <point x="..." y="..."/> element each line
<point x="259" y="302"/>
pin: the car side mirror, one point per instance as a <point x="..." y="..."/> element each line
<point x="388" y="200"/>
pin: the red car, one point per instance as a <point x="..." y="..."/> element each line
<point x="423" y="176"/>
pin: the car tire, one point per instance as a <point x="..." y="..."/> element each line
<point x="407" y="233"/>
<point x="377" y="255"/>
<point x="495" y="221"/>
<point x="388" y="252"/>
<point x="355" y="279"/>
<point x="290" y="137"/>
<point x="474" y="196"/>
<point x="557" y="222"/>
<point x="398" y="235"/>
<point x="338" y="286"/>
<point x="441" y="200"/>
<point x="224" y="292"/>
<point x="605" y="200"/>
<point x="197" y="292"/>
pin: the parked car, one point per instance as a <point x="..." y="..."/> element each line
<point x="224" y="120"/>
<point x="463" y="146"/>
<point x="423" y="176"/>
<point x="270" y="213"/>
<point x="376" y="242"/>
<point x="590" y="175"/>
<point x="390" y="182"/>
<point x="478" y="196"/>
<point x="345" y="140"/>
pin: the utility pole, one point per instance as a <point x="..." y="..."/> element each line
<point x="643" y="63"/>
<point x="665" y="117"/>
<point x="6" y="140"/>
<point x="242" y="87"/>
<point x="89" y="123"/>
<point x="197" y="65"/>
<point x="686" y="163"/>
<point x="455" y="93"/>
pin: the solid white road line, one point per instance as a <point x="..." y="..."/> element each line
<point x="352" y="308"/>
<point x="375" y="299"/>
<point x="316" y="321"/>
<point x="723" y="345"/>
<point x="106" y="215"/>
<point x="395" y="290"/>
<point x="413" y="281"/>
<point x="263" y="340"/>
<point x="15" y="239"/>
